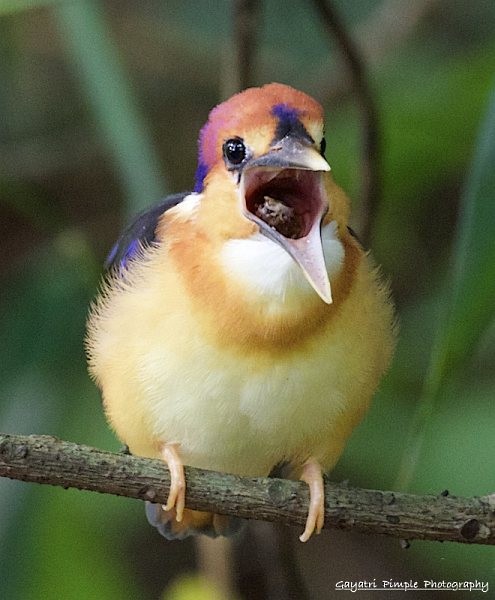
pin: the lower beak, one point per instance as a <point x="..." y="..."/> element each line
<point x="283" y="193"/>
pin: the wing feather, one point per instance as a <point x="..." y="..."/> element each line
<point x="141" y="232"/>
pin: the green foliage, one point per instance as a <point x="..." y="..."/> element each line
<point x="193" y="588"/>
<point x="103" y="79"/>
<point x="12" y="6"/>
<point x="470" y="305"/>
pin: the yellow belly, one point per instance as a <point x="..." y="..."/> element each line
<point x="164" y="378"/>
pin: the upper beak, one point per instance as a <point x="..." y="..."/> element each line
<point x="291" y="153"/>
<point x="283" y="193"/>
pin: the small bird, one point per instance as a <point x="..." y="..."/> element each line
<point x="242" y="325"/>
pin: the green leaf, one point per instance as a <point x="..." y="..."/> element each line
<point x="471" y="305"/>
<point x="192" y="587"/>
<point x="104" y="81"/>
<point x="11" y="6"/>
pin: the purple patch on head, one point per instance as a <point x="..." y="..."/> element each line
<point x="201" y="173"/>
<point x="289" y="123"/>
<point x="206" y="154"/>
<point x="285" y="112"/>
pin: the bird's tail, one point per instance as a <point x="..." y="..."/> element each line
<point x="193" y="522"/>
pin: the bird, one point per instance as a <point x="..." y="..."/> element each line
<point x="242" y="325"/>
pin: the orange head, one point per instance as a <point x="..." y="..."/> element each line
<point x="264" y="148"/>
<point x="258" y="116"/>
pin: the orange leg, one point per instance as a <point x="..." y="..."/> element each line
<point x="177" y="495"/>
<point x="312" y="475"/>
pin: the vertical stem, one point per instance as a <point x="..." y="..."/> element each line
<point x="468" y="310"/>
<point x="422" y="415"/>
<point x="371" y="150"/>
<point x="215" y="563"/>
<point x="110" y="94"/>
<point x="246" y="27"/>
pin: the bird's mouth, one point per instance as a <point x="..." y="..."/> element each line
<point x="288" y="201"/>
<point x="288" y="204"/>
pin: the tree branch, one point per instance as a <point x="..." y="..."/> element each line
<point x="45" y="459"/>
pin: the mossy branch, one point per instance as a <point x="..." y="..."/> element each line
<point x="45" y="459"/>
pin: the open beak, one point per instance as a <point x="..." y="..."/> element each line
<point x="283" y="193"/>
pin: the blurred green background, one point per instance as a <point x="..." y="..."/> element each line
<point x="100" y="106"/>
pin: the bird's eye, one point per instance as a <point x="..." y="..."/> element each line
<point x="234" y="151"/>
<point x="323" y="146"/>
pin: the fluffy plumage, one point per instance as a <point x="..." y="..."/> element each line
<point x="212" y="337"/>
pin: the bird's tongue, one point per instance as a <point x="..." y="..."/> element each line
<point x="288" y="206"/>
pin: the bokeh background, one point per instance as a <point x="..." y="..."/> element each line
<point x="100" y="105"/>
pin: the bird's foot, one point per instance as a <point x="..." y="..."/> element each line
<point x="177" y="495"/>
<point x="312" y="475"/>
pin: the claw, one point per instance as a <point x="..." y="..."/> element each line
<point x="177" y="495"/>
<point x="312" y="475"/>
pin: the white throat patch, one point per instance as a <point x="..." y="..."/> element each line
<point x="267" y="269"/>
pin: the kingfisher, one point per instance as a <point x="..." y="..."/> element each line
<point x="242" y="326"/>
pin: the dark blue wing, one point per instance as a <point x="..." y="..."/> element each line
<point x="141" y="232"/>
